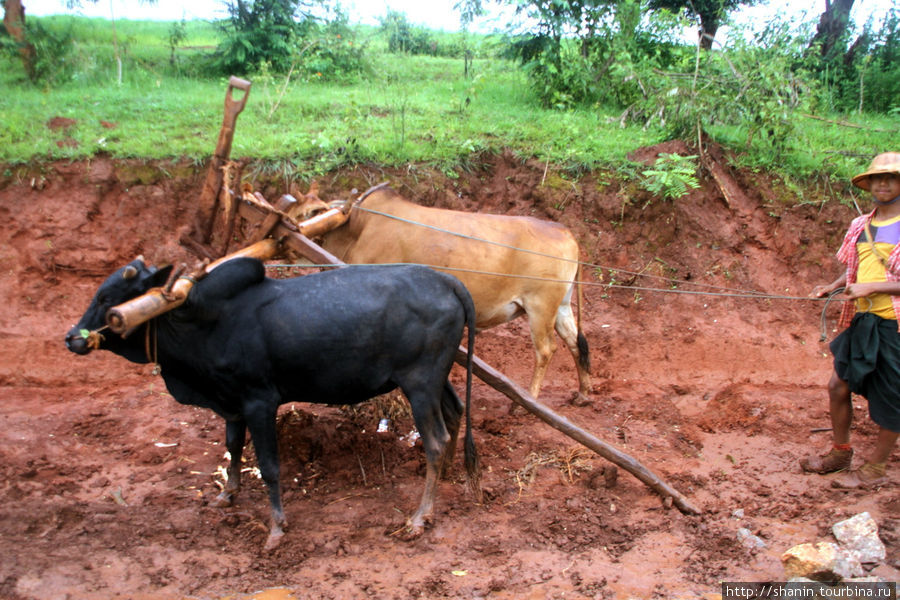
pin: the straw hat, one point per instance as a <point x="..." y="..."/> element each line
<point x="888" y="162"/>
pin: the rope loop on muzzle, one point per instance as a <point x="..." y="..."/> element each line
<point x="94" y="338"/>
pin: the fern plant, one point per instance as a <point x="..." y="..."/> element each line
<point x="671" y="177"/>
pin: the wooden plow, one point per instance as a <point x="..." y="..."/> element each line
<point x="276" y="233"/>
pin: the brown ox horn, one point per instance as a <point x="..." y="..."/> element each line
<point x="129" y="273"/>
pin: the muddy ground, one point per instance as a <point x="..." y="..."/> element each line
<point x="106" y="480"/>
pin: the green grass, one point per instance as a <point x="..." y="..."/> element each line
<point x="410" y="109"/>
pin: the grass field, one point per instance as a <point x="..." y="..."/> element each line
<point x="406" y="109"/>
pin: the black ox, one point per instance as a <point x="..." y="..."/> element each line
<point x="243" y="344"/>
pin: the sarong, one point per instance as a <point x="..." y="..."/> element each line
<point x="867" y="357"/>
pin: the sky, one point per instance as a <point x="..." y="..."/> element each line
<point x="434" y="14"/>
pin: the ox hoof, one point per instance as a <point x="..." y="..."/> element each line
<point x="580" y="399"/>
<point x="414" y="529"/>
<point x="411" y="532"/>
<point x="273" y="541"/>
<point x="516" y="410"/>
<point x="223" y="500"/>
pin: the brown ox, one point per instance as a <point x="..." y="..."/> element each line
<point x="510" y="265"/>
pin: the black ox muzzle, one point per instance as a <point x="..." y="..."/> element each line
<point x="78" y="342"/>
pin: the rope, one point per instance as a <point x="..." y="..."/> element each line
<point x="828" y="300"/>
<point x="726" y="294"/>
<point x="755" y="295"/>
<point x="94" y="338"/>
<point x="583" y="264"/>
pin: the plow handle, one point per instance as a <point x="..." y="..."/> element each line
<point x="232" y="109"/>
<point x="212" y="184"/>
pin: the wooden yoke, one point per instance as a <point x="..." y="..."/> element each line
<point x="272" y="221"/>
<point x="128" y="315"/>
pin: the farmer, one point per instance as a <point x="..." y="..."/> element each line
<point x="867" y="353"/>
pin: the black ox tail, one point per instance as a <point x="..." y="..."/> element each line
<point x="584" y="352"/>
<point x="472" y="462"/>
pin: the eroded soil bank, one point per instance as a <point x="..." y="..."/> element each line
<point x="106" y="479"/>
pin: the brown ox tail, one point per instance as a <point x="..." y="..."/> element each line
<point x="584" y="352"/>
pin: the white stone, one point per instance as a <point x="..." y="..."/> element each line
<point x="859" y="535"/>
<point x="748" y="540"/>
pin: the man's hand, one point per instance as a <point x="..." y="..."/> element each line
<point x="859" y="290"/>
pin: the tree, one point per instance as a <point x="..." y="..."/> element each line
<point x="257" y="31"/>
<point x="831" y="28"/>
<point x="14" y="22"/>
<point x="710" y="12"/>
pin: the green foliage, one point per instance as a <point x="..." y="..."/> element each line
<point x="862" y="73"/>
<point x="710" y="13"/>
<point x="413" y="110"/>
<point x="671" y="177"/>
<point x="562" y="77"/>
<point x="755" y="84"/>
<point x="177" y="36"/>
<point x="265" y="32"/>
<point x="403" y="37"/>
<point x="53" y="45"/>
<point x="879" y="69"/>
<point x="588" y="52"/>
<point x="257" y="31"/>
<point x="330" y="51"/>
<point x="561" y="58"/>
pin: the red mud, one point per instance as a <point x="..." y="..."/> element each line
<point x="106" y="479"/>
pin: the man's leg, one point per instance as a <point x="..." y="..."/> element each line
<point x="841" y="412"/>
<point x="884" y="445"/>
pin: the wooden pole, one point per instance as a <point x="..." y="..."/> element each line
<point x="511" y="390"/>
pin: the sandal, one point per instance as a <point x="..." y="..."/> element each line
<point x="866" y="477"/>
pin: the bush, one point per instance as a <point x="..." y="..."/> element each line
<point x="257" y="31"/>
<point x="264" y="32"/>
<point x="330" y="51"/>
<point x="403" y="37"/>
<point x="758" y="85"/>
<point x="54" y="60"/>
<point x="866" y="74"/>
<point x="605" y="65"/>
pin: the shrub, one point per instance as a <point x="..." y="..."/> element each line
<point x="330" y="51"/>
<point x="54" y="61"/>
<point x="257" y="31"/>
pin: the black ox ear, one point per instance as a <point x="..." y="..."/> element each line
<point x="140" y="276"/>
<point x="157" y="277"/>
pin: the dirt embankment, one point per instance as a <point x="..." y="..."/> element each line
<point x="106" y="480"/>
